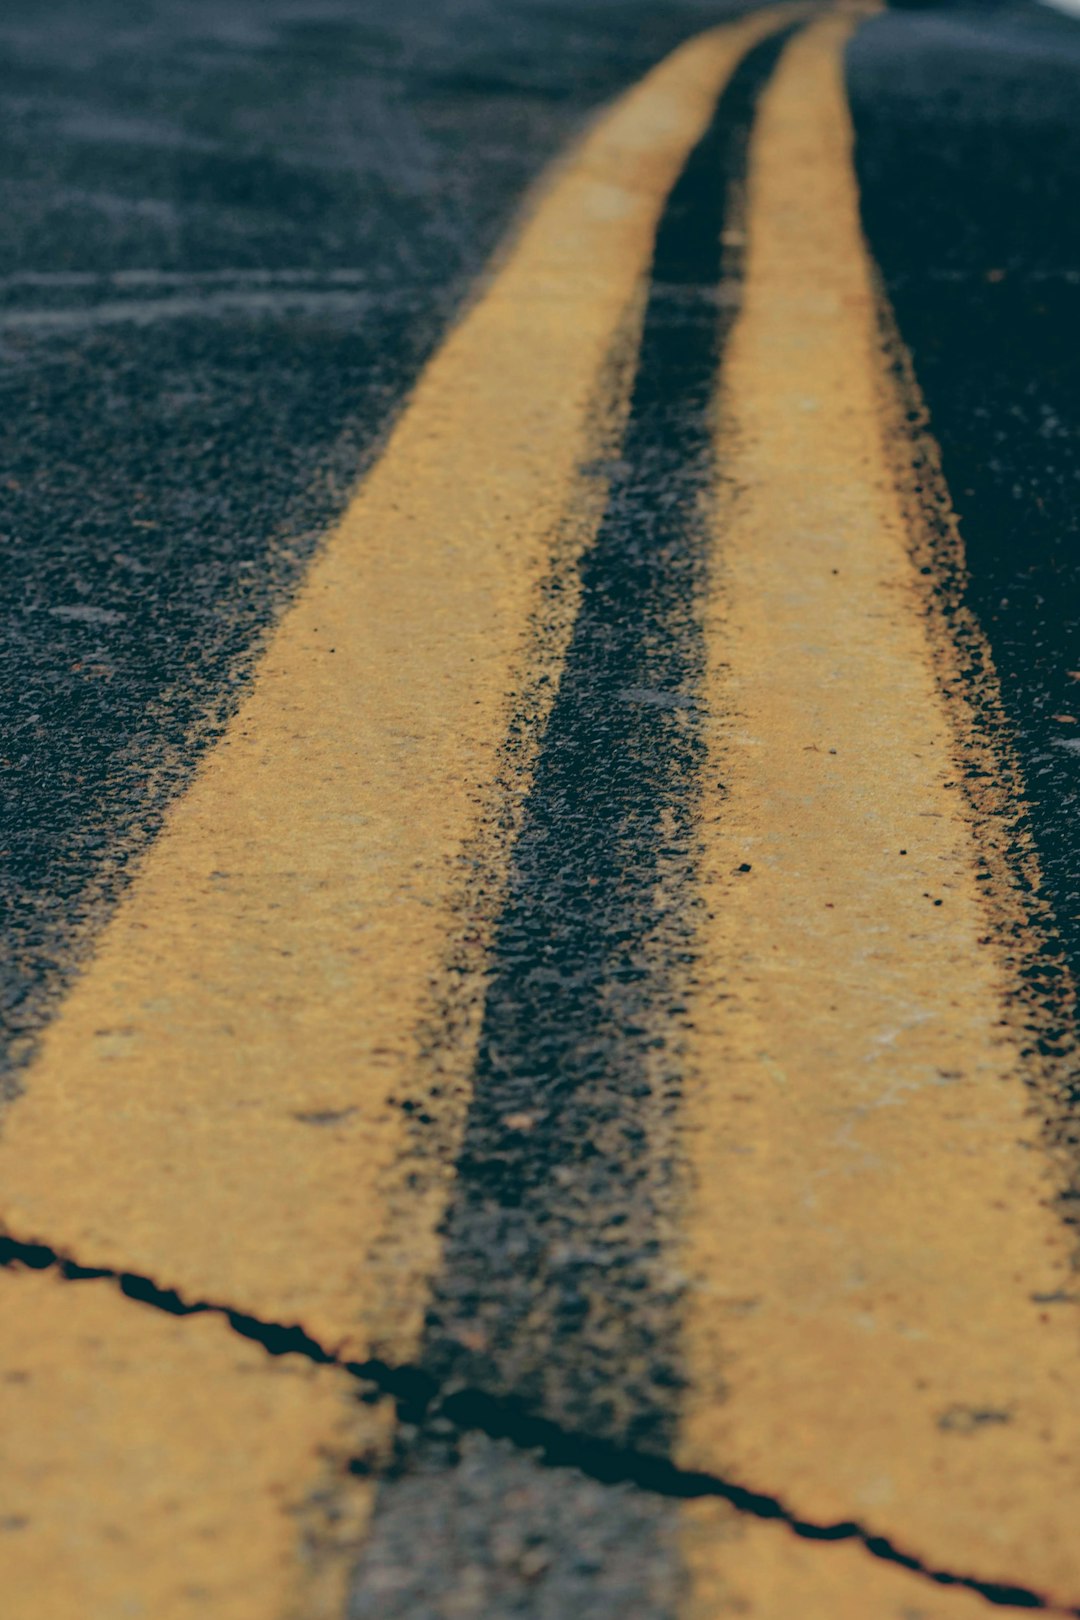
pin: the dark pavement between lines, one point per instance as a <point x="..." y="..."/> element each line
<point x="969" y="144"/>
<point x="233" y="234"/>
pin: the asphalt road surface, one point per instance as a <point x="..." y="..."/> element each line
<point x="541" y="882"/>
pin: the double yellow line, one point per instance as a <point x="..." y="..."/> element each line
<point x="869" y="1239"/>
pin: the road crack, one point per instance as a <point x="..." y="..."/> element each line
<point x="421" y="1401"/>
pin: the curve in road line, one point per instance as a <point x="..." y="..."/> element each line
<point x="216" y="1105"/>
<point x="565" y="1189"/>
<point x="555" y="1291"/>
<point x="873" y="1239"/>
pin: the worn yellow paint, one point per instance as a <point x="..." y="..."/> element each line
<point x="881" y="1318"/>
<point x="158" y="1468"/>
<point x="754" y="1570"/>
<point x="216" y="1105"/>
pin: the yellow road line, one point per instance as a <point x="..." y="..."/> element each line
<point x="217" y="1104"/>
<point x="285" y="933"/>
<point x="165" y="1468"/>
<point x="761" y="1571"/>
<point x="872" y="1246"/>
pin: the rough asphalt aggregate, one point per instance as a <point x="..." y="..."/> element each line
<point x="233" y="234"/>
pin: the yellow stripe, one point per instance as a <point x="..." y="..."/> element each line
<point x="286" y="931"/>
<point x="736" y="1566"/>
<point x="164" y="1469"/>
<point x="217" y="1105"/>
<point x="871" y="1234"/>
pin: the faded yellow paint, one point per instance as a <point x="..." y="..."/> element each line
<point x="881" y="1318"/>
<point x="156" y="1468"/>
<point x="755" y="1570"/>
<point x="217" y="1105"/>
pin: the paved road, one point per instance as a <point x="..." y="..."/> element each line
<point x="542" y="686"/>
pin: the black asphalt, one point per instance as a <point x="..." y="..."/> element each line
<point x="562" y="1193"/>
<point x="557" y="1292"/>
<point x="968" y="151"/>
<point x="232" y="234"/>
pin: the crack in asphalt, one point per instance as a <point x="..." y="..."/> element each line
<point x="420" y="1400"/>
